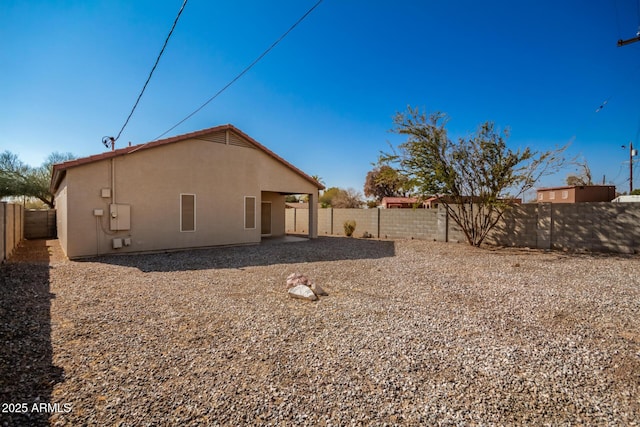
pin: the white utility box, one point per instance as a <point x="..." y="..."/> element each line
<point x="119" y="217"/>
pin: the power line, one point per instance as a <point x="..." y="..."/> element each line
<point x="619" y="173"/>
<point x="242" y="72"/>
<point x="615" y="3"/>
<point x="184" y="3"/>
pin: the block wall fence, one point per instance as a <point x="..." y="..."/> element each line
<point x="40" y="224"/>
<point x="593" y="227"/>
<point x="427" y="224"/>
<point x="11" y="228"/>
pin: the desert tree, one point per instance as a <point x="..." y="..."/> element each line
<point x="478" y="178"/>
<point x="327" y="196"/>
<point x="13" y="175"/>
<point x="20" y="179"/>
<point x="349" y="198"/>
<point x="583" y="177"/>
<point x="385" y="181"/>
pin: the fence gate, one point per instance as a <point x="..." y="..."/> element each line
<point x="40" y="224"/>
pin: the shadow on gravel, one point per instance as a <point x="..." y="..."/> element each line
<point x="27" y="374"/>
<point x="316" y="250"/>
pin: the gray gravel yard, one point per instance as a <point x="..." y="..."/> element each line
<point x="412" y="333"/>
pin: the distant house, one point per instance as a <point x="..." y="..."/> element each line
<point x="431" y="202"/>
<point x="626" y="199"/>
<point x="577" y="194"/>
<point x="216" y="186"/>
<point x="401" y="203"/>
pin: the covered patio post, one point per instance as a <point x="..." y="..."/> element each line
<point x="313" y="215"/>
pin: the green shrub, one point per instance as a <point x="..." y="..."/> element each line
<point x="349" y="227"/>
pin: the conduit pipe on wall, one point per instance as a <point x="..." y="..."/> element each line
<point x="113" y="181"/>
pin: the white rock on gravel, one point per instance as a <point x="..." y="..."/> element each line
<point x="302" y="292"/>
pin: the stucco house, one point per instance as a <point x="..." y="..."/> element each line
<point x="401" y="203"/>
<point x="216" y="186"/>
<point x="626" y="199"/>
<point x="576" y="194"/>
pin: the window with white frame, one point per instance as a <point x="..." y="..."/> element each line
<point x="565" y="194"/>
<point x="552" y="195"/>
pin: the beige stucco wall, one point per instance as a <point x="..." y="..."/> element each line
<point x="61" y="214"/>
<point x="151" y="182"/>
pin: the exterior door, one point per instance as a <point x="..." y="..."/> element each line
<point x="266" y="218"/>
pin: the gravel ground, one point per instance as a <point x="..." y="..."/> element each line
<point x="412" y="333"/>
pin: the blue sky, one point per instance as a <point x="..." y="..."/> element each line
<point x="324" y="98"/>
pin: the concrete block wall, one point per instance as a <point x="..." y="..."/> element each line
<point x="409" y="223"/>
<point x="448" y="230"/>
<point x="39" y="224"/>
<point x="290" y="220"/>
<point x="302" y="221"/>
<point x="325" y="222"/>
<point x="297" y="221"/>
<point x="366" y="220"/>
<point x="568" y="220"/>
<point x="519" y="227"/>
<point x="11" y="228"/>
<point x="429" y="224"/>
<point x="597" y="227"/>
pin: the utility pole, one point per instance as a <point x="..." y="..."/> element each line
<point x="632" y="153"/>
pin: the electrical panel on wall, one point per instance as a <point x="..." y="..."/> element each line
<point x="119" y="217"/>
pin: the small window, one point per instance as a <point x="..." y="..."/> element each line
<point x="565" y="194"/>
<point x="187" y="212"/>
<point x="540" y="196"/>
<point x="249" y="212"/>
<point x="552" y="195"/>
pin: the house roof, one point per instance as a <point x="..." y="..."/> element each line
<point x="399" y="200"/>
<point x="59" y="169"/>
<point x="566" y="187"/>
<point x="626" y="198"/>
